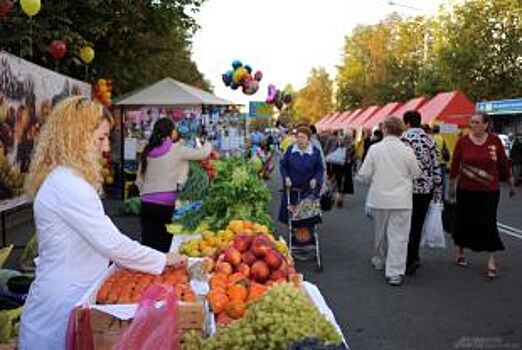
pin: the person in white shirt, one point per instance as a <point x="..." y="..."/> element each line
<point x="390" y="166"/>
<point x="76" y="239"/>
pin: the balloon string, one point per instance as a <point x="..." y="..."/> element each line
<point x="31" y="37"/>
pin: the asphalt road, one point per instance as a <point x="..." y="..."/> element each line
<point x="442" y="307"/>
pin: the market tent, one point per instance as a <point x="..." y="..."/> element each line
<point x="412" y="105"/>
<point x="381" y="114"/>
<point x="344" y="124"/>
<point x="333" y="121"/>
<point x="319" y="125"/>
<point x="448" y="107"/>
<point x="338" y="124"/>
<point x="325" y="122"/>
<point x="364" y="116"/>
<point x="170" y="92"/>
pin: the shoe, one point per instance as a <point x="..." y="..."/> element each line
<point x="491" y="273"/>
<point x="462" y="261"/>
<point x="394" y="280"/>
<point x="377" y="264"/>
<point x="412" y="268"/>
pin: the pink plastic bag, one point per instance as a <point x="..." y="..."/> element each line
<point x="79" y="330"/>
<point x="154" y="327"/>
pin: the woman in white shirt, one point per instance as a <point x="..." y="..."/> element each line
<point x="391" y="166"/>
<point x="76" y="239"/>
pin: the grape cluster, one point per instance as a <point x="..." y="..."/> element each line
<point x="281" y="317"/>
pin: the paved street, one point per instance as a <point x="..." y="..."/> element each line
<point x="441" y="307"/>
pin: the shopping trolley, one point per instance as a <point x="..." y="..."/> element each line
<point x="304" y="211"/>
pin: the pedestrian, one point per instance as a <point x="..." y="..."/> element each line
<point x="162" y="172"/>
<point x="302" y="170"/>
<point x="376" y="138"/>
<point x="479" y="163"/>
<point x="342" y="172"/>
<point x="426" y="188"/>
<point x="390" y="167"/>
<point x="77" y="240"/>
<point x="444" y="155"/>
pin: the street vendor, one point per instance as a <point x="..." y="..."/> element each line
<point x="162" y="172"/>
<point x="77" y="240"/>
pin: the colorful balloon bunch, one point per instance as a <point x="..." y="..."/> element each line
<point x="241" y="76"/>
<point x="277" y="97"/>
<point x="103" y="92"/>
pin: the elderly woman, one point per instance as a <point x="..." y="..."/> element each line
<point x="390" y="167"/>
<point x="479" y="162"/>
<point x="301" y="169"/>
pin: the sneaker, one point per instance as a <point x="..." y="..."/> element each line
<point x="377" y="263"/>
<point x="394" y="280"/>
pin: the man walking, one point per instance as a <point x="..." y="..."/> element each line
<point x="425" y="188"/>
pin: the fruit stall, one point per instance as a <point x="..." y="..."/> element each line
<point x="240" y="289"/>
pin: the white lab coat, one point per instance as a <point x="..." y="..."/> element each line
<point x="76" y="242"/>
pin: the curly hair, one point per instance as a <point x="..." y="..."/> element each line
<point x="66" y="139"/>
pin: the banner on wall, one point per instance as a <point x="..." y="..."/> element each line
<point x="28" y="92"/>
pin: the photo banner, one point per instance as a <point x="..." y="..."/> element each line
<point x="28" y="93"/>
<point x="259" y="109"/>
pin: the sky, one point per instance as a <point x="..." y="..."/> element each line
<point x="284" y="39"/>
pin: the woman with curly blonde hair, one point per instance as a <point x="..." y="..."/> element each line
<point x="76" y="239"/>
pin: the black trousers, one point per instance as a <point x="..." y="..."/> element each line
<point x="154" y="217"/>
<point x="421" y="203"/>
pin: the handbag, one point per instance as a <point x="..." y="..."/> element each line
<point x="337" y="157"/>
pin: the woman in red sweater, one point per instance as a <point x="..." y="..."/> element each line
<point x="479" y="163"/>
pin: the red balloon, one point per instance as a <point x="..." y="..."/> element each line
<point x="5" y="8"/>
<point x="57" y="49"/>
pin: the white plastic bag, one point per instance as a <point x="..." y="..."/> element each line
<point x="432" y="231"/>
<point x="337" y="157"/>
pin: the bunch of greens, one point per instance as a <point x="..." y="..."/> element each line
<point x="196" y="187"/>
<point x="237" y="194"/>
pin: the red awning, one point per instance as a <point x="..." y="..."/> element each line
<point x="412" y="105"/>
<point x="448" y="107"/>
<point x="381" y="114"/>
<point x="323" y="119"/>
<point x="328" y="124"/>
<point x="334" y="125"/>
<point x="364" y="116"/>
<point x="344" y="124"/>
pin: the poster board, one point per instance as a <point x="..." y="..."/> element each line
<point x="28" y="93"/>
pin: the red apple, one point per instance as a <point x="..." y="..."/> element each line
<point x="261" y="245"/>
<point x="277" y="276"/>
<point x="273" y="259"/>
<point x="244" y="269"/>
<point x="224" y="267"/>
<point x="248" y="258"/>
<point x="242" y="242"/>
<point x="260" y="271"/>
<point x="57" y="49"/>
<point x="232" y="256"/>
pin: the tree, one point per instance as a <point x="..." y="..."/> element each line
<point x="135" y="42"/>
<point x="315" y="99"/>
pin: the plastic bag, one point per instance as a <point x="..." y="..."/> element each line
<point x="368" y="211"/>
<point x="337" y="157"/>
<point x="79" y="330"/>
<point x="154" y="326"/>
<point x="432" y="231"/>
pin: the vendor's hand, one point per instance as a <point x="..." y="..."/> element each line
<point x="313" y="184"/>
<point x="288" y="182"/>
<point x="176" y="260"/>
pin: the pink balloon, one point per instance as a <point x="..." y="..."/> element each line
<point x="272" y="93"/>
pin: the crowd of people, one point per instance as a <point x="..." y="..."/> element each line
<point x="407" y="166"/>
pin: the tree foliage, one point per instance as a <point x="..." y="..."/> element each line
<point x="315" y="99"/>
<point x="474" y="47"/>
<point x="135" y="42"/>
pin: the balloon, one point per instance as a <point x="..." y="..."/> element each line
<point x="258" y="76"/>
<point x="279" y="104"/>
<point x="31" y="7"/>
<point x="238" y="74"/>
<point x="248" y="68"/>
<point x="227" y="77"/>
<point x="272" y="93"/>
<point x="236" y="64"/>
<point x="87" y="54"/>
<point x="234" y="86"/>
<point x="102" y="82"/>
<point x="287" y="98"/>
<point x="5" y="8"/>
<point x="103" y="88"/>
<point x="57" y="49"/>
<point x="251" y="88"/>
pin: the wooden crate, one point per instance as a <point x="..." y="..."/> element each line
<point x="107" y="329"/>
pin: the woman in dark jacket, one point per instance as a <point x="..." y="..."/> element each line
<point x="301" y="169"/>
<point x="342" y="173"/>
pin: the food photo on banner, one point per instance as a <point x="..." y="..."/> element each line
<point x="28" y="93"/>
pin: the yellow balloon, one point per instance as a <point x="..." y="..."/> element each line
<point x="238" y="74"/>
<point x="103" y="88"/>
<point x="87" y="54"/>
<point x="31" y="7"/>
